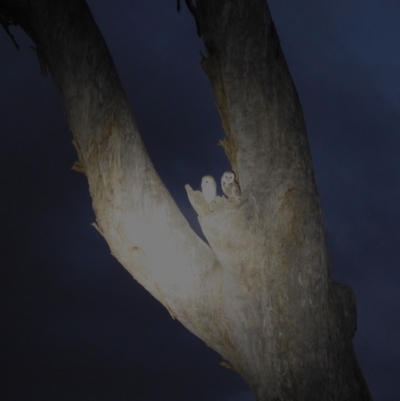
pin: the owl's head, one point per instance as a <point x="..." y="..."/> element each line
<point x="208" y="181"/>
<point x="228" y="177"/>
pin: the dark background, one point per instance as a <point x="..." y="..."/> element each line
<point x="74" y="324"/>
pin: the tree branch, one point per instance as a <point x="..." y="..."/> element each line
<point x="135" y="213"/>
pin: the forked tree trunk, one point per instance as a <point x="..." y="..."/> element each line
<point x="261" y="293"/>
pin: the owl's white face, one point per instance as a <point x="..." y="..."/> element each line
<point x="208" y="188"/>
<point x="230" y="187"/>
<point x="228" y="177"/>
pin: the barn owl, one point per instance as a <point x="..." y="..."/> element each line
<point x="208" y="188"/>
<point x="230" y="187"/>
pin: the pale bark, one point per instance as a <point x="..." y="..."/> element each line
<point x="260" y="293"/>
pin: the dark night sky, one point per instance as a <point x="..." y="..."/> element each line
<point x="74" y="324"/>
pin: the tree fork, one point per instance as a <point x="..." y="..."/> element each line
<point x="261" y="294"/>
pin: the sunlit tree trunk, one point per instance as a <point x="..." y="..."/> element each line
<point x="260" y="293"/>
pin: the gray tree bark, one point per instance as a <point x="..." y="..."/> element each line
<point x="260" y="293"/>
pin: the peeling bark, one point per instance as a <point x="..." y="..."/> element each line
<point x="260" y="293"/>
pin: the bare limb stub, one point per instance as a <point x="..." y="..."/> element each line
<point x="191" y="5"/>
<point x="5" y="22"/>
<point x="192" y="8"/>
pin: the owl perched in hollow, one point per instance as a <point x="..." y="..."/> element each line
<point x="230" y="187"/>
<point x="208" y="188"/>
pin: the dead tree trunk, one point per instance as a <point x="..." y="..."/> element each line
<point x="260" y="293"/>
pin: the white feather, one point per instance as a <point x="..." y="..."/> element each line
<point x="208" y="188"/>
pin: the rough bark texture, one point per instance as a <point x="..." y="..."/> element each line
<point x="260" y="293"/>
